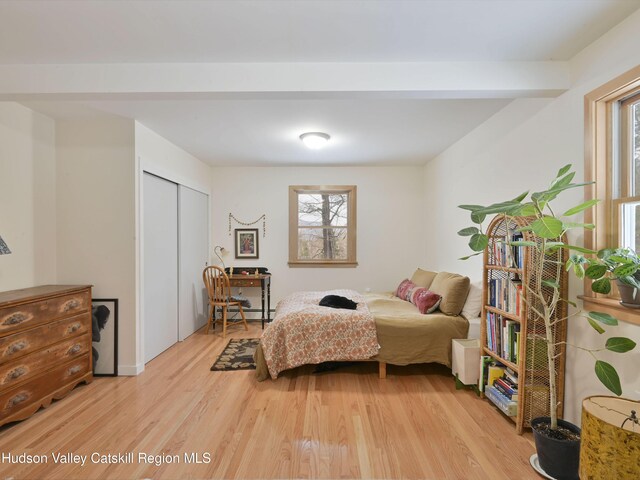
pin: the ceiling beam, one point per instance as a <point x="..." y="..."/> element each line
<point x="443" y="80"/>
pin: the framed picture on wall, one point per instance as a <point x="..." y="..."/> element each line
<point x="104" y="315"/>
<point x="246" y="242"/>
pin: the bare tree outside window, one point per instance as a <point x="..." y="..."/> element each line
<point x="322" y="220"/>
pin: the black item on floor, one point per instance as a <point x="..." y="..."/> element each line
<point x="331" y="366"/>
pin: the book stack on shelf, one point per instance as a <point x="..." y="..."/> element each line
<point x="500" y="385"/>
<point x="512" y="348"/>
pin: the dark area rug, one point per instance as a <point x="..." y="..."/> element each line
<point x="237" y="355"/>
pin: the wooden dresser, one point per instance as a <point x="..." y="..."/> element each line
<point x="45" y="346"/>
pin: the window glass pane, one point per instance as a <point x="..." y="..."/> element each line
<point x="322" y="209"/>
<point x="322" y="244"/>
<point x="635" y="145"/>
<point x="630" y="224"/>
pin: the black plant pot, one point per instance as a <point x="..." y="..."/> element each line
<point x="560" y="459"/>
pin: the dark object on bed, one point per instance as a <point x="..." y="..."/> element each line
<point x="336" y="301"/>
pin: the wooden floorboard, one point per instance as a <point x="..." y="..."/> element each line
<point x="342" y="424"/>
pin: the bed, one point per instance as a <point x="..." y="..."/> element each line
<point x="393" y="330"/>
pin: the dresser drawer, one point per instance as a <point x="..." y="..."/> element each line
<point x="17" y="398"/>
<point x="25" y="316"/>
<point x="22" y="369"/>
<point x="22" y="343"/>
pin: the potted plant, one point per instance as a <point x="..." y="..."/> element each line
<point x="546" y="231"/>
<point x="619" y="264"/>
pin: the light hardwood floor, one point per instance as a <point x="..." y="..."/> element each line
<point x="342" y="424"/>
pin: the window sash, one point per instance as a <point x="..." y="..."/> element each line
<point x="294" y="224"/>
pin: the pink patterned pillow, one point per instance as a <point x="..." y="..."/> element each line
<point x="425" y="300"/>
<point x="403" y="288"/>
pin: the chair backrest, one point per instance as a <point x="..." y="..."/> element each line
<point x="217" y="283"/>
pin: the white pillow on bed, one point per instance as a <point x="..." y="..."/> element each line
<point x="473" y="304"/>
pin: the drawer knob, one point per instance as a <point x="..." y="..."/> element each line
<point x="70" y="305"/>
<point x="16" y="347"/>
<point x="15" y="373"/>
<point x="75" y="369"/>
<point x="75" y="349"/>
<point x="74" y="328"/>
<point x="17" y="400"/>
<point x="15" y="319"/>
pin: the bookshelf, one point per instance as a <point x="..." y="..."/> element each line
<point x="511" y="333"/>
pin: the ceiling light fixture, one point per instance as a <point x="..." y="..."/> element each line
<point x="315" y="140"/>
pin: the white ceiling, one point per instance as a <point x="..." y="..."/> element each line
<point x="262" y="129"/>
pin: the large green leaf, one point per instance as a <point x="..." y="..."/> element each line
<point x="501" y="207"/>
<point x="595" y="271"/>
<point x="605" y="252"/>
<point x="477" y="217"/>
<point x="580" y="208"/>
<point x="604" y="318"/>
<point x="466" y="232"/>
<point x="551" y="283"/>
<point x="608" y="376"/>
<point x="563" y="170"/>
<point x="602" y="285"/>
<point x="620" y="344"/>
<point x="552" y="193"/>
<point x="581" y="249"/>
<point x="530" y="210"/>
<point x="631" y="281"/>
<point x="478" y="242"/>
<point x="521" y="197"/>
<point x="561" y="182"/>
<point x="625" y="270"/>
<point x="586" y="226"/>
<point x="618" y="259"/>
<point x="472" y="208"/>
<point x="547" y="227"/>
<point x="595" y="325"/>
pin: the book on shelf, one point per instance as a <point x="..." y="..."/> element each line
<point x="505" y="404"/>
<point x="505" y="294"/>
<point x="509" y="391"/>
<point x="503" y="254"/>
<point x="495" y="371"/>
<point x="485" y="360"/>
<point x="502" y="336"/>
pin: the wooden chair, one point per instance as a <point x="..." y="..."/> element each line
<point x="219" y="290"/>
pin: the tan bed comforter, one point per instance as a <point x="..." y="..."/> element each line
<point x="305" y="333"/>
<point x="405" y="335"/>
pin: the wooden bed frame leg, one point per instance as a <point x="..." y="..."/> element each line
<point x="382" y="370"/>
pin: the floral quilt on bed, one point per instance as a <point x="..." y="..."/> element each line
<point x="305" y="333"/>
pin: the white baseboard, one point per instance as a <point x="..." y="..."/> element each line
<point x="130" y="370"/>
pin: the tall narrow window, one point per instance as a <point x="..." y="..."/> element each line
<point x="322" y="225"/>
<point x="627" y="172"/>
<point x="612" y="161"/>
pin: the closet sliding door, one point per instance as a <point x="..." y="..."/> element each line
<point x="160" y="243"/>
<point x="194" y="255"/>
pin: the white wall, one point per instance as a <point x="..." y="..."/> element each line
<point x="96" y="222"/>
<point x="27" y="197"/>
<point x="389" y="223"/>
<point x="521" y="148"/>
